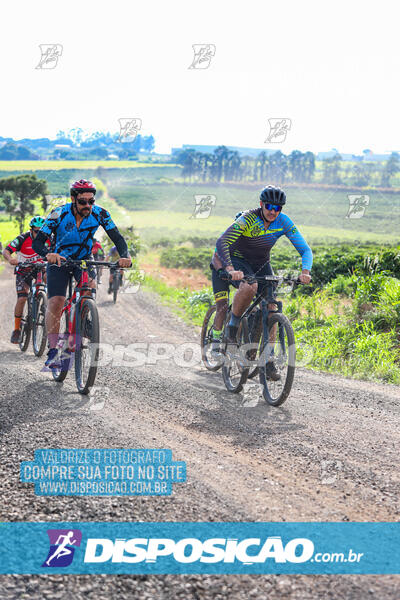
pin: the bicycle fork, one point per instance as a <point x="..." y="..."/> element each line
<point x="268" y="349"/>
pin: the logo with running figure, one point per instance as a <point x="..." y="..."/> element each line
<point x="50" y="53"/>
<point x="203" y="54"/>
<point x="278" y="130"/>
<point x="203" y="204"/>
<point x="62" y="546"/>
<point x="357" y="205"/>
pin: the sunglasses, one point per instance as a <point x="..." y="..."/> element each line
<point x="274" y="207"/>
<point x="85" y="202"/>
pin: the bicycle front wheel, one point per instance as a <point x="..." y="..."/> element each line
<point x="282" y="354"/>
<point x="211" y="362"/>
<point x="39" y="333"/>
<point x="87" y="347"/>
<point x="26" y="327"/>
<point x="235" y="369"/>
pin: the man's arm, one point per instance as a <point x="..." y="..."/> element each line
<point x="119" y="242"/>
<point x="40" y="244"/>
<point x="298" y="241"/>
<point x="12" y="247"/>
<point x="229" y="237"/>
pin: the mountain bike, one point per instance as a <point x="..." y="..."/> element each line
<point x="264" y="336"/>
<point x="210" y="349"/>
<point x="80" y="329"/>
<point x="34" y="313"/>
<point x="117" y="281"/>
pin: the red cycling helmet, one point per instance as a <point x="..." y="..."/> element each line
<point x="83" y="185"/>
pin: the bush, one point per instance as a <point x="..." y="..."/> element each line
<point x="186" y="258"/>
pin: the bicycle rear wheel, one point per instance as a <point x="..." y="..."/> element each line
<point x="211" y="363"/>
<point x="235" y="369"/>
<point x="39" y="333"/>
<point x="60" y="374"/>
<point x="283" y="354"/>
<point x="26" y="327"/>
<point x="87" y="348"/>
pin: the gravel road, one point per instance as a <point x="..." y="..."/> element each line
<point x="330" y="453"/>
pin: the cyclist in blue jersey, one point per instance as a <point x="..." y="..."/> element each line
<point x="244" y="249"/>
<point x="73" y="227"/>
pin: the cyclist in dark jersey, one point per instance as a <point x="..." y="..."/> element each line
<point x="112" y="256"/>
<point x="73" y="226"/>
<point x="244" y="249"/>
<point x="24" y="275"/>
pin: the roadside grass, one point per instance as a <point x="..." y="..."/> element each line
<point x="356" y="334"/>
<point x="179" y="301"/>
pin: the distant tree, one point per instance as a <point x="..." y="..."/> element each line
<point x="309" y="166"/>
<point x="189" y="159"/>
<point x="296" y="165"/>
<point x="221" y="154"/>
<point x="361" y="176"/>
<point x="99" y="152"/>
<point x="148" y="143"/>
<point x="18" y="193"/>
<point x="12" y="151"/>
<point x="331" y="169"/>
<point x="277" y="167"/>
<point x="259" y="166"/>
<point x="391" y="167"/>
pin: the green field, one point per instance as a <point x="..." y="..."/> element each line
<point x="154" y="225"/>
<point x="8" y="231"/>
<point x="164" y="210"/>
<point x="152" y="199"/>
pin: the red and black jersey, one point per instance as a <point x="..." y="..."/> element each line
<point x="22" y="244"/>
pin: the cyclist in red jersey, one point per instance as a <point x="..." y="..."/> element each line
<point x="22" y="244"/>
<point x="98" y="254"/>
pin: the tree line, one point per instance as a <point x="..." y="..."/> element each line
<point x="301" y="167"/>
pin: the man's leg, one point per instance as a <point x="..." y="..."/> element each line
<point x="241" y="301"/>
<point x="57" y="281"/>
<point x="22" y="295"/>
<point x="53" y="316"/>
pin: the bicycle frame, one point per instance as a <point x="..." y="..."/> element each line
<point x="37" y="286"/>
<point x="76" y="298"/>
<point x="266" y="297"/>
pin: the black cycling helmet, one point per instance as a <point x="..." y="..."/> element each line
<point x="273" y="195"/>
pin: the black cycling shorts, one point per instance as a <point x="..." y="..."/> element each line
<point x="24" y="279"/>
<point x="58" y="277"/>
<point x="221" y="286"/>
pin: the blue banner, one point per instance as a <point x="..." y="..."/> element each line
<point x="200" y="548"/>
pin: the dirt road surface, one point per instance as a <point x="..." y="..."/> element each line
<point x="330" y="453"/>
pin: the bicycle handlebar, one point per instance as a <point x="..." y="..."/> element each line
<point x="38" y="264"/>
<point x="78" y="262"/>
<point x="252" y="278"/>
